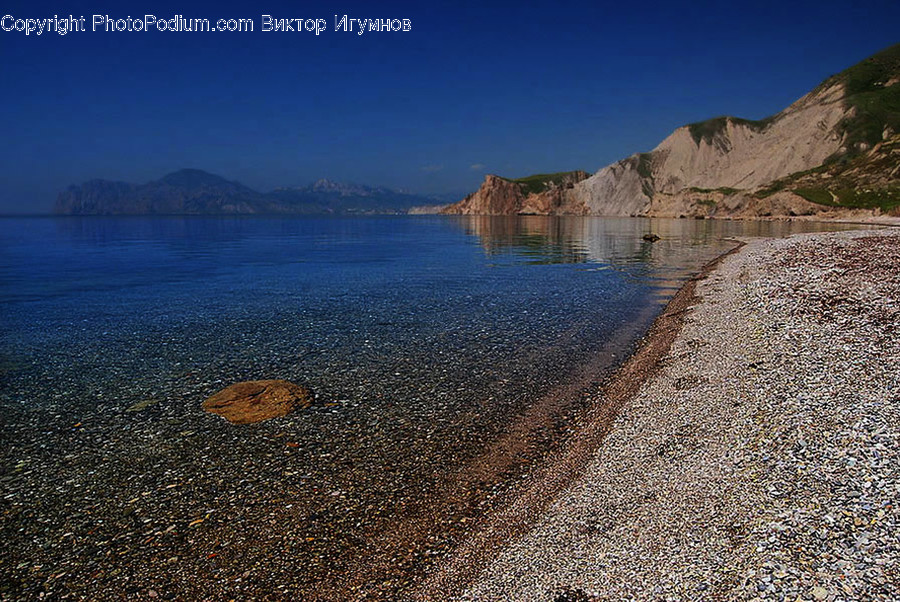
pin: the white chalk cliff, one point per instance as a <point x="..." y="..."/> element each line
<point x="719" y="167"/>
<point x="721" y="153"/>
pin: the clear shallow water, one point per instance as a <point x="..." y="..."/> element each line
<point x="426" y="340"/>
<point x="96" y="281"/>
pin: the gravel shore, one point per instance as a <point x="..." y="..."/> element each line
<point x="759" y="462"/>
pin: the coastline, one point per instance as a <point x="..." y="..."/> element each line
<point x="754" y="461"/>
<point x="177" y="526"/>
<point x="524" y="505"/>
<point x="128" y="487"/>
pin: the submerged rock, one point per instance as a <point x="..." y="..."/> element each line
<point x="651" y="237"/>
<point x="257" y="400"/>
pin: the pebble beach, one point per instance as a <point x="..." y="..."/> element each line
<point x="758" y="462"/>
<point x="746" y="449"/>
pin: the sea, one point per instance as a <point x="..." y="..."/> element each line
<point x="426" y="340"/>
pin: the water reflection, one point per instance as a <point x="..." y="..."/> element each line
<point x="617" y="241"/>
<point x="541" y="240"/>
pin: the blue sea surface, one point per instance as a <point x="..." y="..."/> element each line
<point x="258" y="297"/>
<point x="321" y="298"/>
<point x="446" y="354"/>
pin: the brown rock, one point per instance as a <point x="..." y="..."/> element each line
<point x="497" y="196"/>
<point x="501" y="196"/>
<point x="257" y="400"/>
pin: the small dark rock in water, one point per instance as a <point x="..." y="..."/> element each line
<point x="257" y="400"/>
<point x="651" y="237"/>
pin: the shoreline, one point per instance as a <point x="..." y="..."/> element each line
<point x="129" y="487"/>
<point x="516" y="514"/>
<point x="178" y="525"/>
<point x="733" y="473"/>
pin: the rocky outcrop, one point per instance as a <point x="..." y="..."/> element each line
<point x="497" y="196"/>
<point x="618" y="189"/>
<point x="542" y="194"/>
<point x="733" y="205"/>
<point x="426" y="209"/>
<point x="257" y="400"/>
<point x="556" y="198"/>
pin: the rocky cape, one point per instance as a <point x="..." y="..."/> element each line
<point x="196" y="192"/>
<point x="542" y="194"/>
<point x="833" y="151"/>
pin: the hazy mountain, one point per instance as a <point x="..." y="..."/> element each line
<point x="339" y="197"/>
<point x="196" y="192"/>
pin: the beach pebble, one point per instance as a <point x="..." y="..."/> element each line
<point x="787" y="486"/>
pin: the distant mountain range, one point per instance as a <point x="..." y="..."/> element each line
<point x="196" y="192"/>
<point x="835" y="150"/>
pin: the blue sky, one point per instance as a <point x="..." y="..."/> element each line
<point x="473" y="88"/>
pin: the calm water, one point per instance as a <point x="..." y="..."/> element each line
<point x="425" y="339"/>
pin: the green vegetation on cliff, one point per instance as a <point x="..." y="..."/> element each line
<point x="644" y="168"/>
<point x="869" y="180"/>
<point x="886" y="199"/>
<point x="645" y="165"/>
<point x="873" y="91"/>
<point x="538" y="183"/>
<point x="711" y="129"/>
<point x="723" y="189"/>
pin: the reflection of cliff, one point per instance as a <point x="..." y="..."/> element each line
<point x="684" y="247"/>
<point x="561" y="239"/>
<point x="540" y="239"/>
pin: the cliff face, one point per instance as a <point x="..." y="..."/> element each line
<point x="865" y="184"/>
<point x="542" y="194"/>
<point x="844" y="118"/>
<point x="741" y="154"/>
<point x="725" y="152"/>
<point x="617" y="189"/>
<point x="497" y="196"/>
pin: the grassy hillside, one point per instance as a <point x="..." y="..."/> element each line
<point x="873" y="90"/>
<point x="869" y="180"/>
